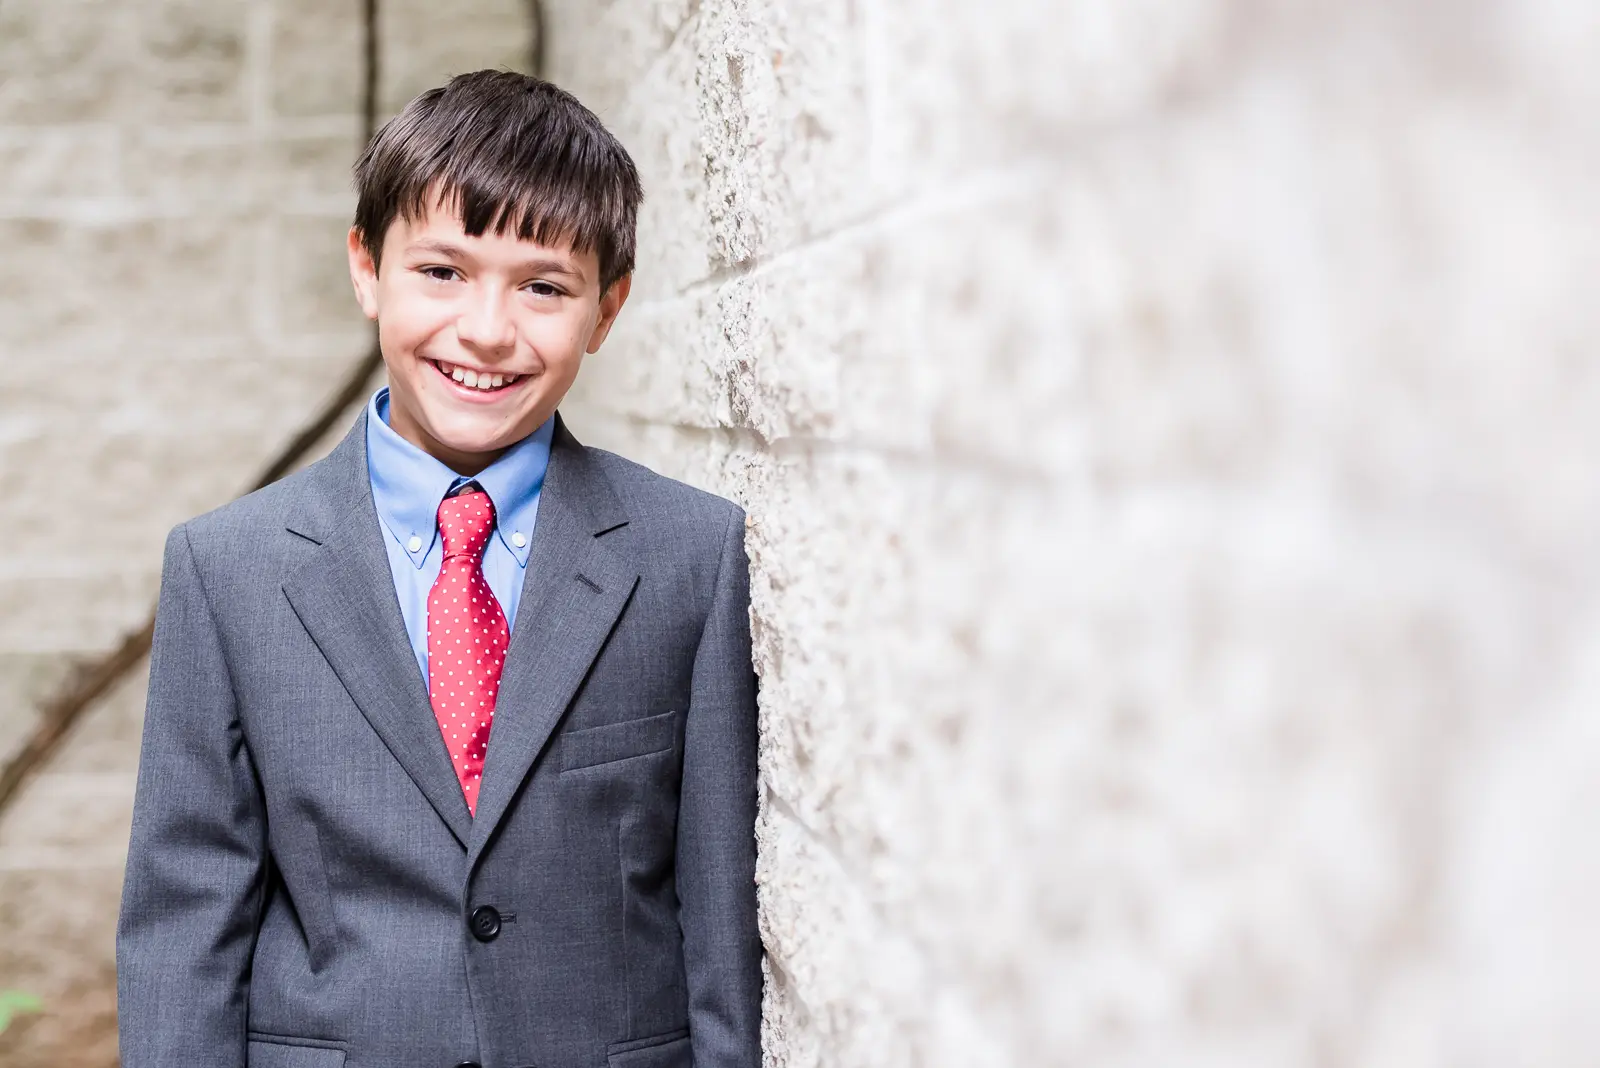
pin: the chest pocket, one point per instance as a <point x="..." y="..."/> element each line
<point x="611" y="742"/>
<point x="264" y="1054"/>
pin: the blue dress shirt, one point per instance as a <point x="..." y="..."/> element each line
<point x="407" y="486"/>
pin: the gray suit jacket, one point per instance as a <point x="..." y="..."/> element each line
<point x="305" y="886"/>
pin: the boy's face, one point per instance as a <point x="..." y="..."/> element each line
<point x="515" y="316"/>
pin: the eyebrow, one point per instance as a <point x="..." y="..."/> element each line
<point x="543" y="265"/>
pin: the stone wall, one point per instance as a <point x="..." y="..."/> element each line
<point x="174" y="191"/>
<point x="1169" y="438"/>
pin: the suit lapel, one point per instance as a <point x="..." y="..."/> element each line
<point x="573" y="591"/>
<point x="345" y="598"/>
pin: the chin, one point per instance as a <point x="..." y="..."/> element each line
<point x="464" y="436"/>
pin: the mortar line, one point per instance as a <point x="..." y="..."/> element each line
<point x="987" y="187"/>
<point x="800" y="446"/>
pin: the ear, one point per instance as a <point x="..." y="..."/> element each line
<point x="363" y="273"/>
<point x="611" y="302"/>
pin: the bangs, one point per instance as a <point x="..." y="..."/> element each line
<point x="508" y="154"/>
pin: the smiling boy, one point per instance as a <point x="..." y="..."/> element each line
<point x="449" y="752"/>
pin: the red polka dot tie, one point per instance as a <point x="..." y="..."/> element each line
<point x="467" y="638"/>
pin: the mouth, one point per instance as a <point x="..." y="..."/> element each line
<point x="476" y="382"/>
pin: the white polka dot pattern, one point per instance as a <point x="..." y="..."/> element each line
<point x="467" y="638"/>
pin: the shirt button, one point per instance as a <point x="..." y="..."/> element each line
<point x="414" y="545"/>
<point x="518" y="540"/>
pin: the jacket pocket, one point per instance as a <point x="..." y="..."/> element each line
<point x="269" y="1053"/>
<point x="670" y="1050"/>
<point x="618" y="741"/>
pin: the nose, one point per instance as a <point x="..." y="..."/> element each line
<point x="486" y="322"/>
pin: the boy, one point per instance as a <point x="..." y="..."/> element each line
<point x="449" y="757"/>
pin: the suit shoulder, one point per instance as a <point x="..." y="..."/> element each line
<point x="663" y="502"/>
<point x="245" y="519"/>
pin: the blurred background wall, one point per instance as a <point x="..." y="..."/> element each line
<point x="174" y="302"/>
<point x="1168" y="437"/>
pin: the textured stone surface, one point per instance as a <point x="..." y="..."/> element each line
<point x="1168" y="436"/>
<point x="62" y="847"/>
<point x="424" y="43"/>
<point x="174" y="189"/>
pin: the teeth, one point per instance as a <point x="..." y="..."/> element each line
<point x="476" y="379"/>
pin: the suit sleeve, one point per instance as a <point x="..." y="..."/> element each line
<point x="191" y="897"/>
<point x="716" y="828"/>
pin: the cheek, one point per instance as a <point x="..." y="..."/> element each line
<point x="561" y="339"/>
<point x="406" y="321"/>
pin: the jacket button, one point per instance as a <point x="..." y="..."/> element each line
<point x="469" y="1064"/>
<point x="485" y="923"/>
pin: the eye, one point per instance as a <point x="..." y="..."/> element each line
<point x="439" y="274"/>
<point x="542" y="289"/>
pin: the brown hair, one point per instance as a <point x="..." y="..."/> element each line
<point x="506" y="152"/>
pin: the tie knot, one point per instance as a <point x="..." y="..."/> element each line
<point x="465" y="521"/>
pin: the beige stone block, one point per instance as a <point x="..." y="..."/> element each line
<point x="893" y="336"/>
<point x="61" y="850"/>
<point x="229" y="385"/>
<point x="105" y="742"/>
<point x="843" y="1008"/>
<point x="665" y="361"/>
<point x="116" y="497"/>
<point x="189" y="61"/>
<point x="944" y="804"/>
<point x="47" y="292"/>
<point x="26" y="680"/>
<point x="659" y="124"/>
<point x="425" y="44"/>
<point x="731" y="82"/>
<point x="317" y="57"/>
<point x="820" y="121"/>
<point x="312" y="274"/>
<point x="629" y="37"/>
<point x="152" y="439"/>
<point x="65" y="60"/>
<point x="784" y="93"/>
<point x="177" y="275"/>
<point x="961" y="88"/>
<point x="80" y="606"/>
<point x="233" y="170"/>
<point x="904" y="336"/>
<point x="314" y="169"/>
<point x="709" y="460"/>
<point x="748" y="123"/>
<point x="195" y="170"/>
<point x="39" y="165"/>
<point x="644" y="90"/>
<point x="57" y="941"/>
<point x="69" y="819"/>
<point x="105" y="523"/>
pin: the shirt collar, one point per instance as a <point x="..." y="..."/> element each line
<point x="408" y="484"/>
